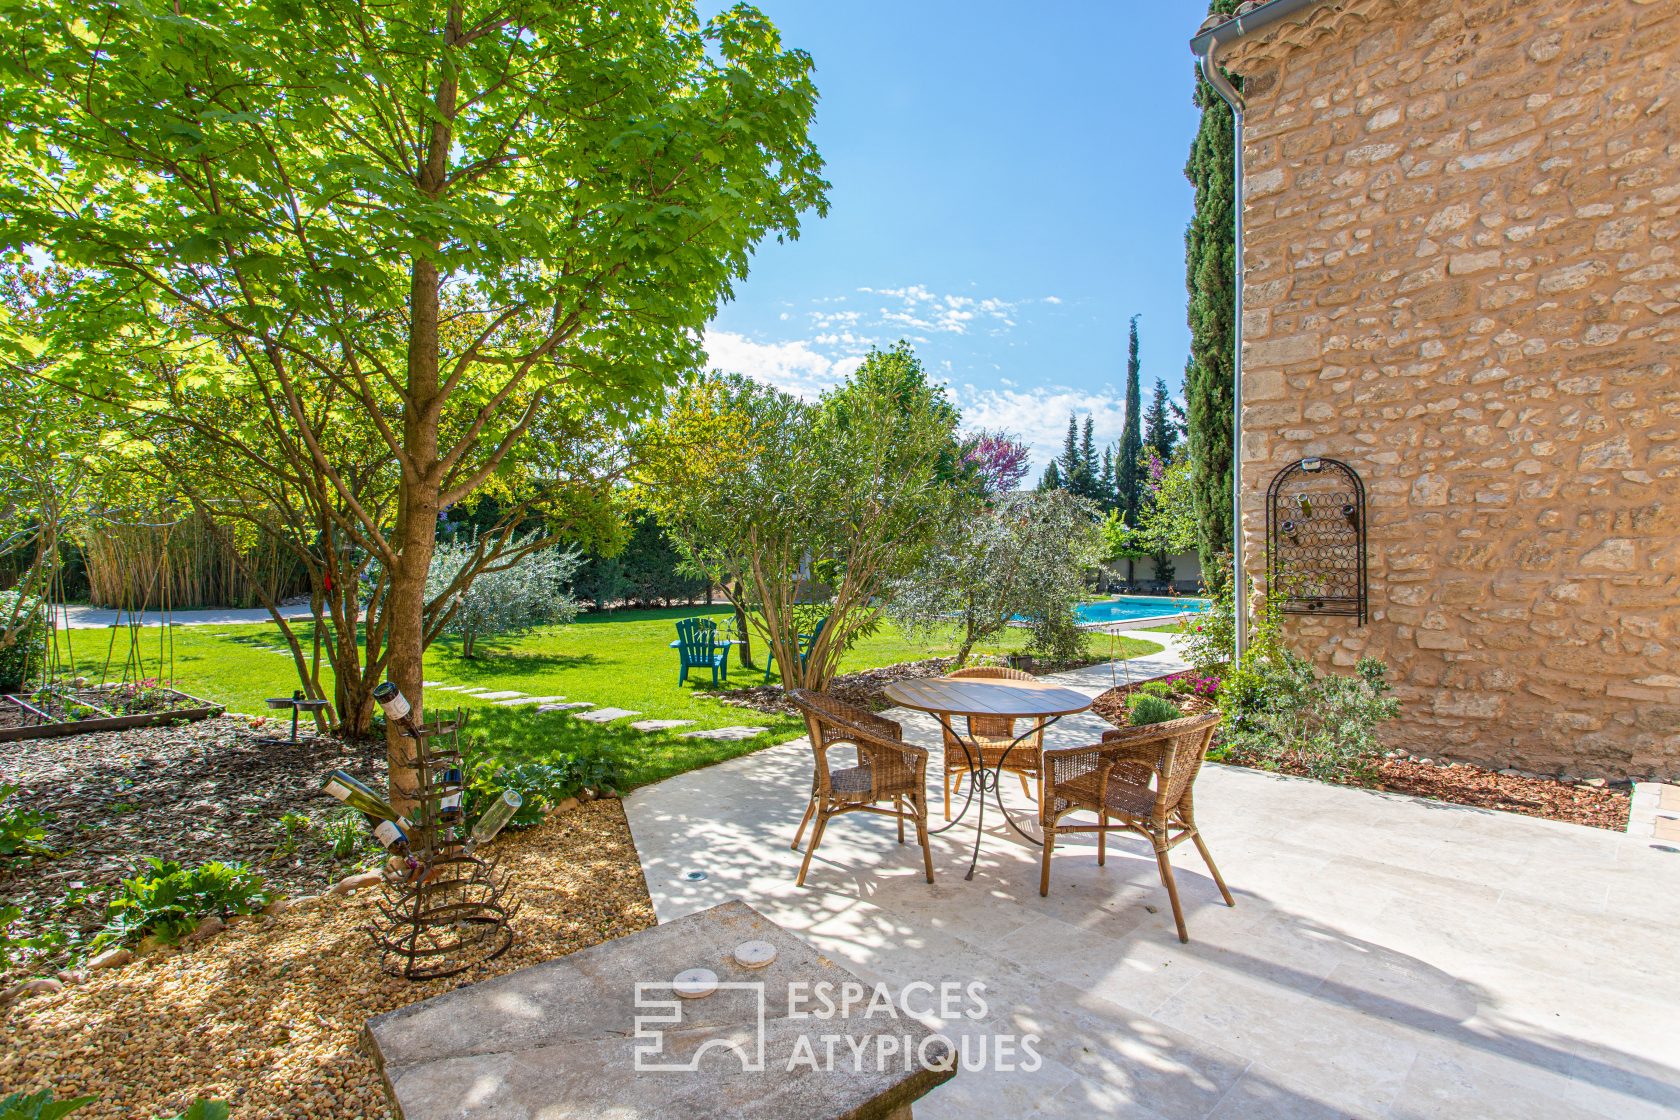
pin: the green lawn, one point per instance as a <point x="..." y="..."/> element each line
<point x="619" y="659"/>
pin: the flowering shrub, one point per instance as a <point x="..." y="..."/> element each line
<point x="1280" y="712"/>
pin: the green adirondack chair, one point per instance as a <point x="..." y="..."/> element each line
<point x="698" y="647"/>
<point x="806" y="641"/>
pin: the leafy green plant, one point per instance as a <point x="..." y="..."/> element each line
<point x="27" y="640"/>
<point x="204" y="1110"/>
<point x="61" y="702"/>
<point x="21" y="833"/>
<point x="1145" y="708"/>
<point x="543" y="785"/>
<point x="40" y="1106"/>
<point x="1280" y="712"/>
<point x="345" y="834"/>
<point x="292" y="826"/>
<point x="172" y="900"/>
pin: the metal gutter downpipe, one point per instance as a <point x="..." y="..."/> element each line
<point x="1239" y="576"/>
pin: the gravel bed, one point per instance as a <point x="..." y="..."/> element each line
<point x="193" y="792"/>
<point x="267" y="1015"/>
<point x="1598" y="805"/>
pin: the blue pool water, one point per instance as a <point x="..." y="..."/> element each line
<point x="1137" y="606"/>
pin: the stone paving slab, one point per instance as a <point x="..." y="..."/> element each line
<point x="1388" y="957"/>
<point x="725" y="733"/>
<point x="504" y="695"/>
<point x="518" y="700"/>
<point x="568" y="707"/>
<point x="660" y="724"/>
<point x="604" y="715"/>
<point x="567" y="1037"/>
<point x="1654" y="814"/>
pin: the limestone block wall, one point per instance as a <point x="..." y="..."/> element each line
<point x="1463" y="255"/>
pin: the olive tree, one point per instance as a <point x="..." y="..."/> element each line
<point x="787" y="504"/>
<point x="449" y="217"/>
<point x="506" y="597"/>
<point x="1022" y="561"/>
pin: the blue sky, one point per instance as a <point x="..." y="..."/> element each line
<point x="1008" y="190"/>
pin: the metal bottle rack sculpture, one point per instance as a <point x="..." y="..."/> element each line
<point x="444" y="911"/>
<point x="1315" y="539"/>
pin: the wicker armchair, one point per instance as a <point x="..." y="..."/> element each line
<point x="992" y="734"/>
<point x="1140" y="779"/>
<point x="889" y="778"/>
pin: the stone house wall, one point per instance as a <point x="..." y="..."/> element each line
<point x="1463" y="278"/>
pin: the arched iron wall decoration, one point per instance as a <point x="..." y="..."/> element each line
<point x="1315" y="539"/>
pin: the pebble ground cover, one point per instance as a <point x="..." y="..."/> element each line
<point x="267" y="1015"/>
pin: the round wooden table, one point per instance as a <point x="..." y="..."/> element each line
<point x="944" y="697"/>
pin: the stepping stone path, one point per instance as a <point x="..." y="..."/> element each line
<point x="605" y="715"/>
<point x="725" y="733"/>
<point x="514" y="699"/>
<point x="660" y="724"/>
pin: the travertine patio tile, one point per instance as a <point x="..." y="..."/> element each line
<point x="725" y="733"/>
<point x="1372" y="932"/>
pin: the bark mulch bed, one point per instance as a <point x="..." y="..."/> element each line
<point x="1600" y="806"/>
<point x="267" y="1015"/>
<point x="188" y="793"/>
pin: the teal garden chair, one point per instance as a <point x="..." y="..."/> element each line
<point x="698" y="647"/>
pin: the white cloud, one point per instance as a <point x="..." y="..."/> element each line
<point x="1039" y="416"/>
<point x="1052" y="299"/>
<point x="797" y="367"/>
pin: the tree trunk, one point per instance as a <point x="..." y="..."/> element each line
<point x="418" y="502"/>
<point x="746" y="658"/>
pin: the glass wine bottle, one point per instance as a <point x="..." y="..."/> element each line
<point x="396" y="707"/>
<point x="495" y="818"/>
<point x="449" y="806"/>
<point x="392" y="837"/>
<point x="358" y="796"/>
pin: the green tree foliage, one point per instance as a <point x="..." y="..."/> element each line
<point x="1166" y="517"/>
<point x="787" y="504"/>
<point x="1210" y="275"/>
<point x="648" y="570"/>
<point x="507" y="596"/>
<point x="1052" y="479"/>
<point x="449" y="224"/>
<point x="1160" y="427"/>
<point x="1128" y="467"/>
<point x="1025" y="557"/>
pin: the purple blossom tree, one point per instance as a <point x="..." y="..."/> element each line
<point x="999" y="460"/>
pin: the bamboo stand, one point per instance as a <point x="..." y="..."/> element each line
<point x="445" y="910"/>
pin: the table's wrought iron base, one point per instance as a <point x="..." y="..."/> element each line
<point x="988" y="779"/>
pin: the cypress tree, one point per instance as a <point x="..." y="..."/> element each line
<point x="1210" y="276"/>
<point x="1052" y="479"/>
<point x="1068" y="465"/>
<point x="1088" y="469"/>
<point x="1128" y="468"/>
<point x="1160" y="430"/>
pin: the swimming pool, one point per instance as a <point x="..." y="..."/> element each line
<point x="1137" y="606"/>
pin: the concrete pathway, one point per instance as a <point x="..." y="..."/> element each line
<point x="1388" y="957"/>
